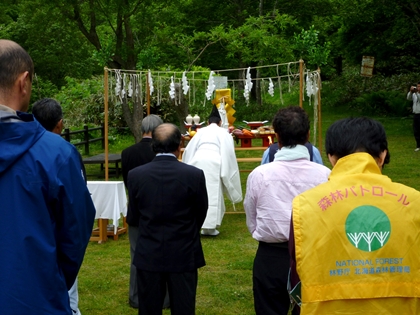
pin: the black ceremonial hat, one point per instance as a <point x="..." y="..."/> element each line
<point x="215" y="112"/>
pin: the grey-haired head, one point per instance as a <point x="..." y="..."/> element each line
<point x="149" y="123"/>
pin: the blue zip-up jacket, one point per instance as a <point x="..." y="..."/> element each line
<point x="46" y="217"/>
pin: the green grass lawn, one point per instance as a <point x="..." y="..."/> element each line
<point x="225" y="283"/>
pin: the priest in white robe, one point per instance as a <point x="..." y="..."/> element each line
<point x="212" y="150"/>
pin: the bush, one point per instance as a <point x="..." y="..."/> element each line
<point x="378" y="95"/>
<point x="42" y="88"/>
<point x="381" y="103"/>
<point x="82" y="102"/>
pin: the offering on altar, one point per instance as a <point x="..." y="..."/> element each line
<point x="255" y="124"/>
<point x="265" y="130"/>
<point x="193" y="121"/>
<point x="243" y="133"/>
<point x="193" y="130"/>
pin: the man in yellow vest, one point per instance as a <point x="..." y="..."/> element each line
<point x="356" y="237"/>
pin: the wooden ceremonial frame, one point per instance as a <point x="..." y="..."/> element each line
<point x="301" y="88"/>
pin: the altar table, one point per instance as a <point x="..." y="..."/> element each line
<point x="110" y="201"/>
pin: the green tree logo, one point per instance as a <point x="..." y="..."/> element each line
<point x="368" y="228"/>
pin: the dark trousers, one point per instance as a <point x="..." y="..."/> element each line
<point x="182" y="289"/>
<point x="270" y="274"/>
<point x="416" y="129"/>
<point x="133" y="232"/>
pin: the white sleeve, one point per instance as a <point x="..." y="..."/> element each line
<point x="229" y="169"/>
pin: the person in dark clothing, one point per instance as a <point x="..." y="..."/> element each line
<point x="414" y="96"/>
<point x="169" y="200"/>
<point x="138" y="154"/>
<point x="50" y="115"/>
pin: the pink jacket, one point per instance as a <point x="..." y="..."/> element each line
<point x="271" y="188"/>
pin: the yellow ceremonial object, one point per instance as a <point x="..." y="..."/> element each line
<point x="229" y="113"/>
<point x="224" y="96"/>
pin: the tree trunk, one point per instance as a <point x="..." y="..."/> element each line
<point x="181" y="107"/>
<point x="133" y="118"/>
<point x="338" y="62"/>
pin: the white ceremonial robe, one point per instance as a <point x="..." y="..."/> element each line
<point x="212" y="150"/>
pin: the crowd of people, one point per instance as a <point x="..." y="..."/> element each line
<point x="329" y="241"/>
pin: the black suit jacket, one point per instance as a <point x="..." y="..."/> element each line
<point x="138" y="154"/>
<point x="170" y="200"/>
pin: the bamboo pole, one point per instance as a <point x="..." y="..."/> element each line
<point x="301" y="83"/>
<point x="319" y="112"/>
<point x="106" y="120"/>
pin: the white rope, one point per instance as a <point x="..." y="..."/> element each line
<point x="163" y="76"/>
<point x="205" y="96"/>
<point x="180" y="91"/>
<point x="312" y="89"/>
<point x="262" y="90"/>
<point x="140" y="89"/>
<point x="111" y="92"/>
<point x="194" y="89"/>
<point x="159" y="91"/>
<point x="280" y="88"/>
<point x="206" y="71"/>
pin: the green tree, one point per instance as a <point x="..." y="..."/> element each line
<point x="50" y="40"/>
<point x="308" y="46"/>
<point x="387" y="30"/>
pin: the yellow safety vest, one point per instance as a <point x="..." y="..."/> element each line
<point x="357" y="240"/>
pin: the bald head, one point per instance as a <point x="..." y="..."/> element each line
<point x="14" y="60"/>
<point x="166" y="138"/>
<point x="16" y="71"/>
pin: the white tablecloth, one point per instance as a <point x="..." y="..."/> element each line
<point x="110" y="200"/>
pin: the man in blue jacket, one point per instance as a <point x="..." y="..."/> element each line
<point x="49" y="114"/>
<point x="45" y="205"/>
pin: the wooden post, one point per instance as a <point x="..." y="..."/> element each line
<point x="319" y="112"/>
<point x="300" y="83"/>
<point x="67" y="134"/>
<point x="103" y="135"/>
<point x="86" y="137"/>
<point x="106" y="120"/>
<point x="148" y="93"/>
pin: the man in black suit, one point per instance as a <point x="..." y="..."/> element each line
<point x="138" y="154"/>
<point x="170" y="200"/>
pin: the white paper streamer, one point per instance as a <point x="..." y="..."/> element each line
<point x="185" y="86"/>
<point x="123" y="91"/>
<point x="172" y="88"/>
<point x="312" y="86"/>
<point x="271" y="87"/>
<point x="248" y="84"/>
<point x="211" y="86"/>
<point x="151" y="87"/>
<point x="118" y="83"/>
<point x="130" y="85"/>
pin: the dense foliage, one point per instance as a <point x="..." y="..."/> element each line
<point x="72" y="40"/>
